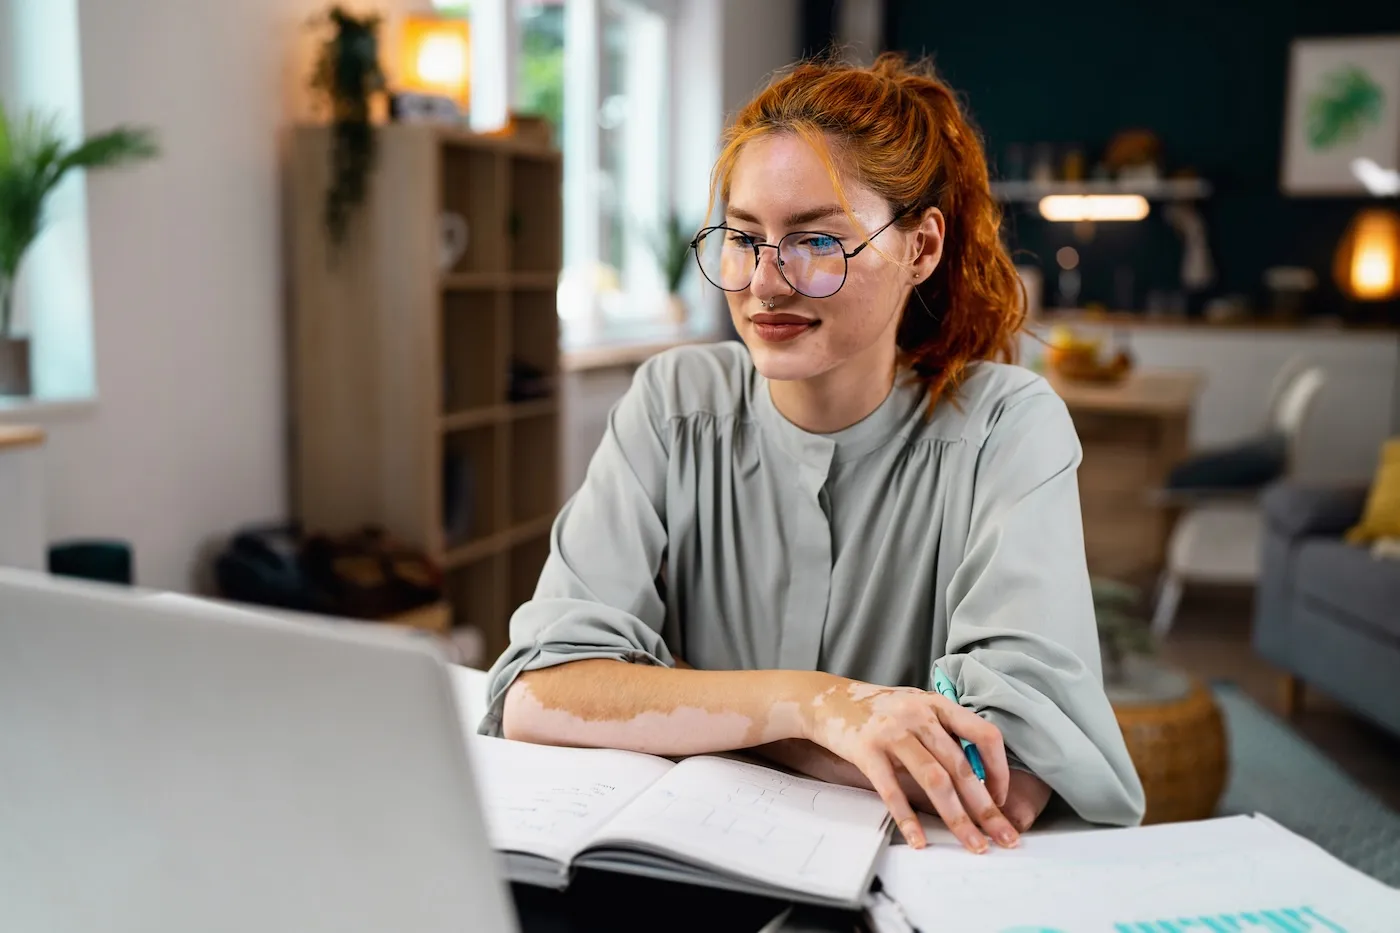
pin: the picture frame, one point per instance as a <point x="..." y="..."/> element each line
<point x="1342" y="105"/>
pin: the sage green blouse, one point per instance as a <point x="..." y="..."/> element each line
<point x="712" y="527"/>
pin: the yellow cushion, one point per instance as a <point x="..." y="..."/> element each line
<point x="1382" y="516"/>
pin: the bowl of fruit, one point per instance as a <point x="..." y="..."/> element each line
<point x="1083" y="359"/>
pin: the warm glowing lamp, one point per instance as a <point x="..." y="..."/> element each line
<point x="1367" y="265"/>
<point x="1077" y="207"/>
<point x="436" y="57"/>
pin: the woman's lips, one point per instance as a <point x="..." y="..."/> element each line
<point x="776" y="327"/>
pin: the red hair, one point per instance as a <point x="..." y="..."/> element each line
<point x="899" y="130"/>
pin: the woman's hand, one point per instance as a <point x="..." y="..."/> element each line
<point x="1025" y="799"/>
<point x="878" y="728"/>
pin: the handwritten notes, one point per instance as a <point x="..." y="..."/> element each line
<point x="549" y="800"/>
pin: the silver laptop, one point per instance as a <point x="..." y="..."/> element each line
<point x="167" y="768"/>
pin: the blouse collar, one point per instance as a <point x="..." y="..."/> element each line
<point x="901" y="409"/>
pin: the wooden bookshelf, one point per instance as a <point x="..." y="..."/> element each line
<point x="404" y="413"/>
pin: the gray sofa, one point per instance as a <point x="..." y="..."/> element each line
<point x="1328" y="612"/>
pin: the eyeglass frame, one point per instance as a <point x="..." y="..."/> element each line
<point x="758" y="259"/>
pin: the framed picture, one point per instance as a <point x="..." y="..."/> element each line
<point x="1343" y="108"/>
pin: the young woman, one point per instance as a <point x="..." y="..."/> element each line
<point x="857" y="494"/>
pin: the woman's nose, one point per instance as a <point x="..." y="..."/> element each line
<point x="768" y="281"/>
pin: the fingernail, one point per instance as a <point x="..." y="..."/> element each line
<point x="912" y="835"/>
<point x="1008" y="838"/>
<point x="979" y="845"/>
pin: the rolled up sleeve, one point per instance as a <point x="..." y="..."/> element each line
<point x="597" y="595"/>
<point x="1022" y="642"/>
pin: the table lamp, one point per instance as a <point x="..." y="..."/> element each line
<point x="1367" y="263"/>
<point x="434" y="66"/>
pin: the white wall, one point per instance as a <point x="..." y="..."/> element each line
<point x="759" y="39"/>
<point x="187" y="438"/>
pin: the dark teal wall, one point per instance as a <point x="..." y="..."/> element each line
<point x="1208" y="76"/>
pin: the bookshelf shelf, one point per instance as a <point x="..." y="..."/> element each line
<point x="418" y="388"/>
<point x="525" y="532"/>
<point x="495" y="414"/>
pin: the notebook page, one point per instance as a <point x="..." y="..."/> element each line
<point x="1234" y="873"/>
<point x="760" y="823"/>
<point x="548" y="800"/>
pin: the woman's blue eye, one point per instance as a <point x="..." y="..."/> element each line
<point x="740" y="239"/>
<point x="821" y="243"/>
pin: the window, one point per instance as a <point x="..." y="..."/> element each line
<point x="597" y="71"/>
<point x="540" y="76"/>
<point x="39" y="70"/>
<point x="614" y="132"/>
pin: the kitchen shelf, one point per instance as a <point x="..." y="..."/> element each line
<point x="1167" y="189"/>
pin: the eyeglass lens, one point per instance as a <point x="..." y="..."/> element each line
<point x="814" y="264"/>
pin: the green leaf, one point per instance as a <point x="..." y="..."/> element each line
<point x="34" y="158"/>
<point x="671" y="246"/>
<point x="1346" y="104"/>
<point x="5" y="147"/>
<point x="116" y="147"/>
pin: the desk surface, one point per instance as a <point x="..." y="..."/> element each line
<point x="1156" y="392"/>
<point x="19" y="435"/>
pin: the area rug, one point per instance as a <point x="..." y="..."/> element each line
<point x="1275" y="771"/>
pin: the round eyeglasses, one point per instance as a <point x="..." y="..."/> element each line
<point x="814" y="264"/>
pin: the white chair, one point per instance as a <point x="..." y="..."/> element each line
<point x="1216" y="538"/>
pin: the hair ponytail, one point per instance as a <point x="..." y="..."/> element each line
<point x="901" y="131"/>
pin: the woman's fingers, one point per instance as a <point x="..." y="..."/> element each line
<point x="933" y="778"/>
<point x="876" y="767"/>
<point x="962" y="722"/>
<point x="976" y="799"/>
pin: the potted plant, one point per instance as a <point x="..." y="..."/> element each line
<point x="1122" y="632"/>
<point x="34" y="158"/>
<point x="347" y="76"/>
<point x="1132" y="672"/>
<point x="672" y="248"/>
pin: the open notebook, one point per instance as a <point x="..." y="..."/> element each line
<point x="708" y="820"/>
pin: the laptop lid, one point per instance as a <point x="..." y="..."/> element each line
<point x="167" y="768"/>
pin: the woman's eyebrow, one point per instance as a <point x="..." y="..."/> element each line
<point x="793" y="220"/>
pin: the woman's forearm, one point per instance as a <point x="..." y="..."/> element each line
<point x="658" y="710"/>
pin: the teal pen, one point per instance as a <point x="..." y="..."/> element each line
<point x="943" y="685"/>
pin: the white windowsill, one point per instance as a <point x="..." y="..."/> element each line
<point x="625" y="343"/>
<point x="15" y="409"/>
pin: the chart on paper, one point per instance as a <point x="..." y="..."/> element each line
<point x="1279" y="920"/>
<point x="1234" y="875"/>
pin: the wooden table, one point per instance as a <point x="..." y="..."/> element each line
<point x="1133" y="432"/>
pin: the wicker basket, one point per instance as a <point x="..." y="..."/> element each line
<point x="1178" y="747"/>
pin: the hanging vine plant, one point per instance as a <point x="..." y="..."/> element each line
<point x="348" y="76"/>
